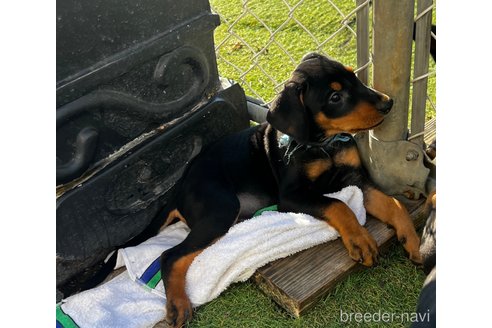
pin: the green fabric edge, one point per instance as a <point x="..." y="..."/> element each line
<point x="65" y="320"/>
<point x="269" y="208"/>
<point x="155" y="280"/>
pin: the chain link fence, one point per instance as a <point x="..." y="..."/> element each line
<point x="260" y="42"/>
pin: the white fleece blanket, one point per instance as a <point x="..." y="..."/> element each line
<point x="136" y="297"/>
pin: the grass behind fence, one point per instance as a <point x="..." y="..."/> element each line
<point x="319" y="17"/>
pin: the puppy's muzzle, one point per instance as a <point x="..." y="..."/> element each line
<point x="384" y="107"/>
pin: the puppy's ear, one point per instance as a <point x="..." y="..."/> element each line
<point x="310" y="55"/>
<point x="314" y="55"/>
<point x="288" y="114"/>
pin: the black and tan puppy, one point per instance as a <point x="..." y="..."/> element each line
<point x="304" y="151"/>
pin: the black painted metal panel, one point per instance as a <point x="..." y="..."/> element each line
<point x="119" y="202"/>
<point x="97" y="40"/>
<point x="138" y="95"/>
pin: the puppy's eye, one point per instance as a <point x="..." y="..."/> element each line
<point x="335" y="97"/>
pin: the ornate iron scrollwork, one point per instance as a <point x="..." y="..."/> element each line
<point x="185" y="71"/>
<point x="85" y="148"/>
<point x="180" y="66"/>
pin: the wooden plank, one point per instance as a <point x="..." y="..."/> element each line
<point x="297" y="282"/>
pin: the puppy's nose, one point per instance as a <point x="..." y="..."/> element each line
<point x="385" y="106"/>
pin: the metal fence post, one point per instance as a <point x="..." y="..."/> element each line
<point x="395" y="164"/>
<point x="393" y="27"/>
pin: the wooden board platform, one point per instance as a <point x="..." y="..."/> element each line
<point x="298" y="281"/>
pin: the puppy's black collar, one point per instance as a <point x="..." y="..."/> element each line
<point x="293" y="146"/>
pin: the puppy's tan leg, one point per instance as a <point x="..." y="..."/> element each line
<point x="391" y="211"/>
<point x="360" y="244"/>
<point x="178" y="306"/>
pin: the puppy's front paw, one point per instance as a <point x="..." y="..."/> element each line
<point x="361" y="247"/>
<point x="411" y="243"/>
<point x="179" y="311"/>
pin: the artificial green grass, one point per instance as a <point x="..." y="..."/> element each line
<point x="391" y="287"/>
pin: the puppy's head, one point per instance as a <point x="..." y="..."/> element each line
<point x="323" y="98"/>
